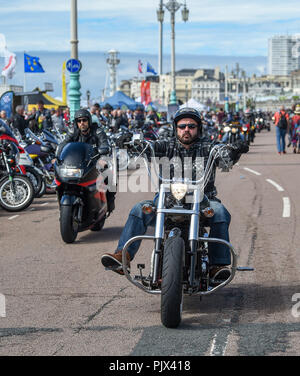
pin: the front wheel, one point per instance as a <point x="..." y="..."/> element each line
<point x="35" y="178"/>
<point x="171" y="286"/>
<point x="68" y="223"/>
<point x="16" y="194"/>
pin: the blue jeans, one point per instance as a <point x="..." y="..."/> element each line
<point x="280" y="139"/>
<point x="226" y="137"/>
<point x="138" y="222"/>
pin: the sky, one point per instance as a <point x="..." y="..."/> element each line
<point x="218" y="28"/>
<point x="215" y="27"/>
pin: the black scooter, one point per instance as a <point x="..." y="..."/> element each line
<point x="80" y="190"/>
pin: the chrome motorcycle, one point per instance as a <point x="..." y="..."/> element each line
<point x="179" y="262"/>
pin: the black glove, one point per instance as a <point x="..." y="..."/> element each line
<point x="241" y="147"/>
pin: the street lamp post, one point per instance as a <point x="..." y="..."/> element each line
<point x="88" y="96"/>
<point x="173" y="6"/>
<point x="237" y="105"/>
<point x="244" y="90"/>
<point x="160" y="18"/>
<point x="74" y="85"/>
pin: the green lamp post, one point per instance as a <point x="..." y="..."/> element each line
<point x="74" y="84"/>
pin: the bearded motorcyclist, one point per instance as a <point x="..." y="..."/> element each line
<point x="83" y="130"/>
<point x="189" y="142"/>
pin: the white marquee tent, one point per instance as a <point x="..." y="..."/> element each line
<point x="194" y="104"/>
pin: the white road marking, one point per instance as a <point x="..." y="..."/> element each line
<point x="252" y="171"/>
<point x="286" y="207"/>
<point x="219" y="349"/>
<point x="13" y="217"/>
<point x="277" y="186"/>
<point x="213" y="346"/>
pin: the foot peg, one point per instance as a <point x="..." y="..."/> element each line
<point x="141" y="277"/>
<point x="244" y="269"/>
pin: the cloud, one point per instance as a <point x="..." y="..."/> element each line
<point x="214" y="27"/>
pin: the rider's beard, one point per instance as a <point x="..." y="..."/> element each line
<point x="187" y="140"/>
<point x="85" y="132"/>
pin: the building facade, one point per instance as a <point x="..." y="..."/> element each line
<point x="283" y="54"/>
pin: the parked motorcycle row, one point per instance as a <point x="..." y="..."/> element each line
<point x="26" y="168"/>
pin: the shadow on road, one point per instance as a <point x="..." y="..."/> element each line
<point x="249" y="299"/>
<point x="105" y="235"/>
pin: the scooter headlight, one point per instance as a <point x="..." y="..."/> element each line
<point x="234" y="130"/>
<point x="226" y="129"/>
<point x="245" y="129"/>
<point x="179" y="190"/>
<point x="71" y="172"/>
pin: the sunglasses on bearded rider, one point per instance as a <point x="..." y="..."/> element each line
<point x="190" y="126"/>
<point x="84" y="120"/>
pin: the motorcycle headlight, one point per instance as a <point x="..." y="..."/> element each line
<point x="261" y="120"/>
<point x="234" y="130"/>
<point x="245" y="129"/>
<point x="71" y="172"/>
<point x="179" y="190"/>
<point x="226" y="129"/>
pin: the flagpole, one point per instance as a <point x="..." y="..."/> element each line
<point x="24" y="74"/>
<point x="25" y="88"/>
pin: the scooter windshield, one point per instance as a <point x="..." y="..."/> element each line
<point x="76" y="154"/>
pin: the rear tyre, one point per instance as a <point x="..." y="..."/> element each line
<point x="68" y="225"/>
<point x="171" y="286"/>
<point x="17" y="198"/>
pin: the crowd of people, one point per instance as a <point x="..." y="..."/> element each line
<point x="286" y="121"/>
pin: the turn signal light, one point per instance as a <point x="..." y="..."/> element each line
<point x="208" y="212"/>
<point x="147" y="209"/>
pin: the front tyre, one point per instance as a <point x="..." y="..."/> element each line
<point x="35" y="178"/>
<point x="171" y="287"/>
<point x="68" y="224"/>
<point x="16" y="195"/>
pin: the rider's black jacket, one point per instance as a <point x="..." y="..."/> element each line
<point x="201" y="148"/>
<point x="97" y="138"/>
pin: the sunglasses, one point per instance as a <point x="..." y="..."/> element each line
<point x="82" y="120"/>
<point x="190" y="126"/>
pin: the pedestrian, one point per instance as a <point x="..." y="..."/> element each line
<point x="67" y="117"/>
<point x="58" y="121"/>
<point x="42" y="117"/>
<point x="281" y="119"/>
<point x="295" y="130"/>
<point x="4" y="117"/>
<point x="19" y="121"/>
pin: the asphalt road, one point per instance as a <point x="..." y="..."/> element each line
<point x="61" y="301"/>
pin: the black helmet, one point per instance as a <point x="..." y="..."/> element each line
<point x="83" y="113"/>
<point x="187" y="112"/>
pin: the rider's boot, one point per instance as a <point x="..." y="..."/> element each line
<point x="113" y="261"/>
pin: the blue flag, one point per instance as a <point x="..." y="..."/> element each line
<point x="150" y="69"/>
<point x="32" y="64"/>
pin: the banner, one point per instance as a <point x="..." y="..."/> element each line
<point x="148" y="93"/>
<point x="143" y="92"/>
<point x="6" y="103"/>
<point x="32" y="64"/>
<point x="10" y="59"/>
